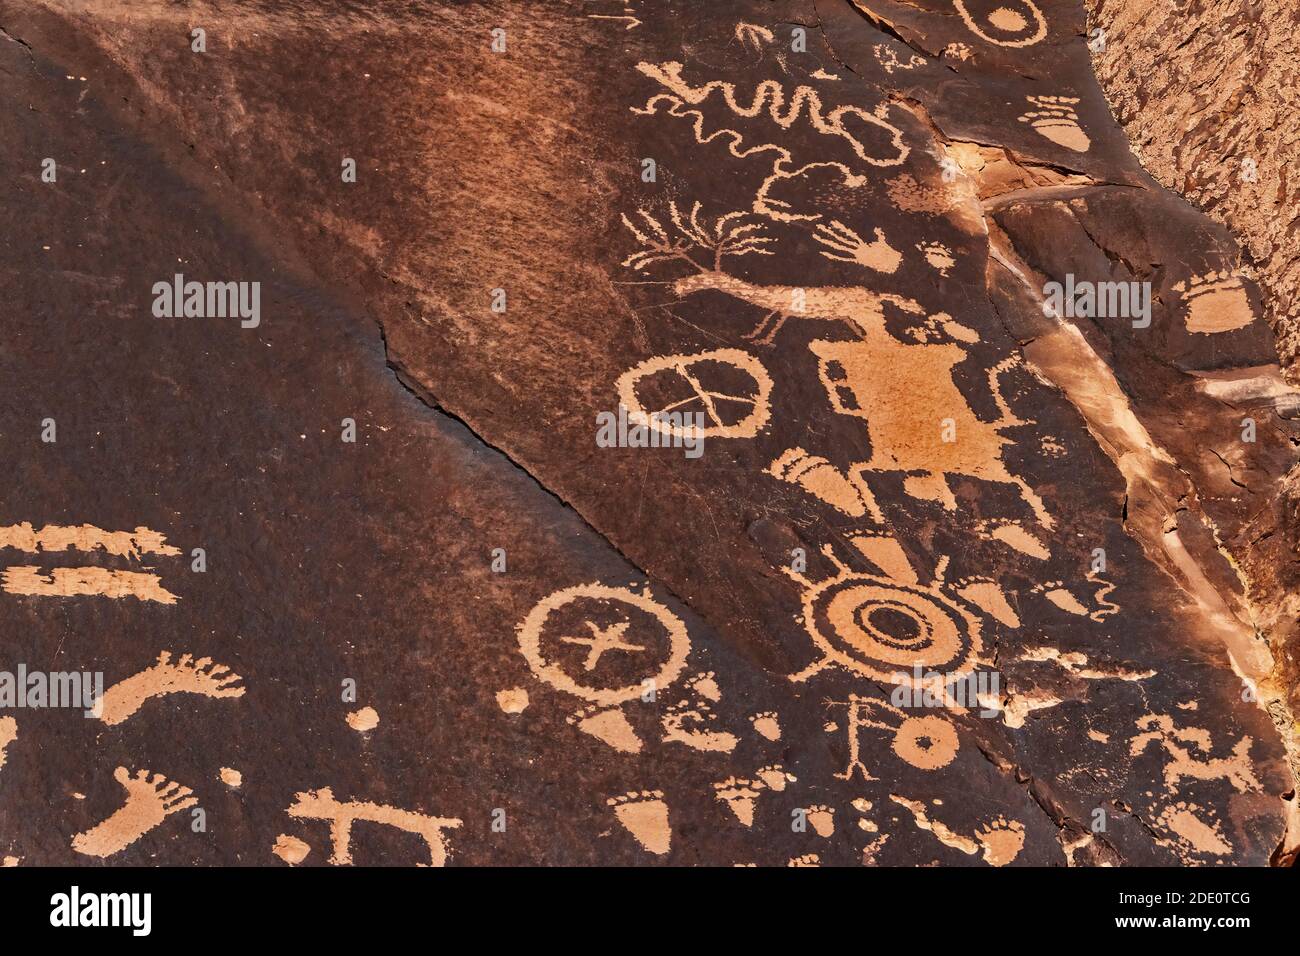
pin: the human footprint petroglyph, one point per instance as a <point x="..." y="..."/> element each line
<point x="644" y="814"/>
<point x="927" y="742"/>
<point x="150" y="799"/>
<point x="740" y="794"/>
<point x="341" y="815"/>
<point x="165" y="676"/>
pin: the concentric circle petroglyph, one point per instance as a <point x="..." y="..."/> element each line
<point x="881" y="629"/>
<point x="1008" y="20"/>
<point x="605" y="639"/>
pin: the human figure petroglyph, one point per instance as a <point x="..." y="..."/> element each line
<point x="770" y="99"/>
<point x="150" y="799"/>
<point x="321" y="805"/>
<point x="927" y="742"/>
<point x="905" y="391"/>
<point x="184" y="676"/>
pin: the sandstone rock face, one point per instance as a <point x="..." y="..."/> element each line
<point x="1208" y="95"/>
<point x="975" y="546"/>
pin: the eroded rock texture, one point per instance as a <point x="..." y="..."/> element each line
<point x="1209" y="94"/>
<point x="827" y="228"/>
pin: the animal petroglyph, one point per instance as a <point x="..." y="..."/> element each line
<point x="1056" y="120"/>
<point x="1009" y="23"/>
<point x="918" y="421"/>
<point x="783" y="109"/>
<point x="1216" y="302"/>
<point x="644" y="814"/>
<point x="1000" y="841"/>
<point x="185" y="676"/>
<point x="1181" y="742"/>
<point x="321" y="805"/>
<point x="150" y="799"/>
<point x="927" y="743"/>
<point x="882" y="628"/>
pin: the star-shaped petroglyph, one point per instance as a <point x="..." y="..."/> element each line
<point x="603" y="639"/>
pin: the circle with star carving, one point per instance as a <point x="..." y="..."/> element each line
<point x="604" y="644"/>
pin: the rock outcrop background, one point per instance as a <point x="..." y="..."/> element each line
<point x="366" y="580"/>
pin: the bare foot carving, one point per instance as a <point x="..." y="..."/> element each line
<point x="149" y="801"/>
<point x="184" y="676"/>
<point x="645" y="815"/>
<point x="321" y="805"/>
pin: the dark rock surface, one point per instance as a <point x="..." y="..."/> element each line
<point x="839" y="260"/>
